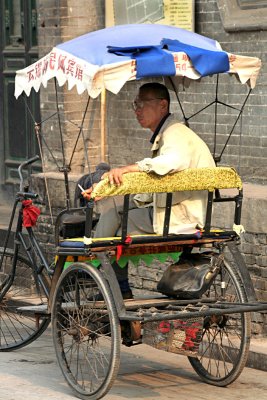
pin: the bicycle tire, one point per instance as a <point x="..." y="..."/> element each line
<point x="225" y="341"/>
<point x="18" y="328"/>
<point x="86" y="331"/>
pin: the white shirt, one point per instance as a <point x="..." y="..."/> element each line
<point x="177" y="148"/>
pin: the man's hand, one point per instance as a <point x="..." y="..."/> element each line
<point x="87" y="194"/>
<point x="115" y="174"/>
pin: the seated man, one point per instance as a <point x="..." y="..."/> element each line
<point x="175" y="147"/>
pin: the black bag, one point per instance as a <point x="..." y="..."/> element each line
<point x="73" y="226"/>
<point x="86" y="181"/>
<point x="191" y="276"/>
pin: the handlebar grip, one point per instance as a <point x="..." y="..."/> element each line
<point x="29" y="161"/>
<point x="27" y="195"/>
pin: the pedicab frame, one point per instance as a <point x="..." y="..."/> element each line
<point x="89" y="315"/>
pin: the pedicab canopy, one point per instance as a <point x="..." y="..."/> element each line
<point x="110" y="57"/>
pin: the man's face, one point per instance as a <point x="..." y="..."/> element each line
<point x="149" y="109"/>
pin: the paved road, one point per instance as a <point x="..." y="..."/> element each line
<point x="145" y="373"/>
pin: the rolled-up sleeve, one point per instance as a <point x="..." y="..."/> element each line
<point x="145" y="165"/>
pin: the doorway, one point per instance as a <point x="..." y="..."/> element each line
<point x="19" y="48"/>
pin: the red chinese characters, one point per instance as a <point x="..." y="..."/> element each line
<point x="181" y="61"/>
<point x="38" y="69"/>
<point x="55" y="61"/>
<point x="52" y="60"/>
<point x="70" y="67"/>
<point x="31" y="75"/>
<point x="61" y="62"/>
<point x="79" y="72"/>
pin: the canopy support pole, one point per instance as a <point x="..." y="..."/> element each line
<point x="179" y="102"/>
<point x="66" y="168"/>
<point x="103" y="126"/>
<point x="237" y="119"/>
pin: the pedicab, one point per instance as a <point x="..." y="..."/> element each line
<point x="90" y="319"/>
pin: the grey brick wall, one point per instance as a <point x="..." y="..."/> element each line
<point x="59" y="22"/>
<point x="127" y="142"/>
<point x="246" y="151"/>
<point x="254" y="249"/>
<point x="247" y="148"/>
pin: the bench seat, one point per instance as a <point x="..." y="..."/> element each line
<point x="193" y="179"/>
<point x="152" y="238"/>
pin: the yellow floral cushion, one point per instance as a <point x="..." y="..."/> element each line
<point x="189" y="179"/>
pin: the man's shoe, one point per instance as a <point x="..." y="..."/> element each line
<point x="127" y="295"/>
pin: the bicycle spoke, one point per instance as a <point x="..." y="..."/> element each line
<point x="19" y="328"/>
<point x="84" y="335"/>
<point x="225" y="340"/>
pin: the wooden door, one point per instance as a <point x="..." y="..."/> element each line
<point x="18" y="41"/>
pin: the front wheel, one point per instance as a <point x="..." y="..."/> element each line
<point x="86" y="331"/>
<point x="225" y="341"/>
<point x="18" y="328"/>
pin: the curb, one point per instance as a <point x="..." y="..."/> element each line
<point x="257" y="357"/>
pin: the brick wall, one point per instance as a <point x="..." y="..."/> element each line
<point x="127" y="142"/>
<point x="247" y="152"/>
<point x="253" y="149"/>
<point x="59" y="22"/>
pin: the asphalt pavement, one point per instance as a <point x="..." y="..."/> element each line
<point x="32" y="373"/>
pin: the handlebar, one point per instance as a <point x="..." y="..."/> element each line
<point x="24" y="164"/>
<point x="28" y="195"/>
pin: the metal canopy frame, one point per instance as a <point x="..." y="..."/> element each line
<point x="65" y="168"/>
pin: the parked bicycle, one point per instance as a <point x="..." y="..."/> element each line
<point x="24" y="277"/>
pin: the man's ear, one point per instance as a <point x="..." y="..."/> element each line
<point x="164" y="104"/>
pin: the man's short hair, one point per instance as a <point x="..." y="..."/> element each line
<point x="158" y="89"/>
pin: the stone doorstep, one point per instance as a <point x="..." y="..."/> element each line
<point x="257" y="358"/>
<point x="254" y="217"/>
<point x="255" y="191"/>
<point x="251" y="191"/>
<point x="5" y="213"/>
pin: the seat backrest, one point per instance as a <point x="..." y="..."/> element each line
<point x="194" y="179"/>
<point x="190" y="179"/>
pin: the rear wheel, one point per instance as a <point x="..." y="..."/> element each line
<point x="225" y="343"/>
<point x="86" y="331"/>
<point x="17" y="327"/>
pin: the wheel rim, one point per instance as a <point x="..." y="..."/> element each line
<point x="17" y="328"/>
<point x="86" y="332"/>
<point x="225" y="341"/>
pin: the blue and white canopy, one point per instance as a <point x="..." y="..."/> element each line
<point x="110" y="57"/>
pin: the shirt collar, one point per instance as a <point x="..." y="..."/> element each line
<point x="158" y="128"/>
